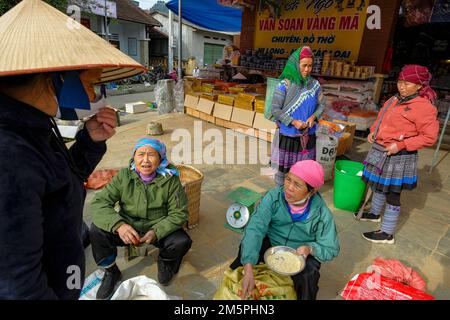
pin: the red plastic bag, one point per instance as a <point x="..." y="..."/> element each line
<point x="395" y="270"/>
<point x="373" y="286"/>
<point x="100" y="178"/>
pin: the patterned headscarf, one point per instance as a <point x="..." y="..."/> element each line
<point x="420" y="75"/>
<point x="161" y="148"/>
<point x="292" y="70"/>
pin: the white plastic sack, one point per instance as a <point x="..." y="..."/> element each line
<point x="178" y="92"/>
<point x="140" y="288"/>
<point x="326" y="147"/>
<point x="91" y="285"/>
<point x="137" y="288"/>
<point x="164" y="96"/>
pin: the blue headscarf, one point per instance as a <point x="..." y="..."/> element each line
<point x="161" y="148"/>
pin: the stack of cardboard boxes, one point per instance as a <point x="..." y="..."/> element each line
<point x="230" y="116"/>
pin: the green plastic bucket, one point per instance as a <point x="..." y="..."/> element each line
<point x="349" y="188"/>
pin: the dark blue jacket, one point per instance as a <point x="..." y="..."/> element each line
<point x="41" y="205"/>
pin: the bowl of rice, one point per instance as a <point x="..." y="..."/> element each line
<point x="284" y="260"/>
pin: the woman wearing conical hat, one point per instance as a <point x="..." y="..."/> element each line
<point x="48" y="62"/>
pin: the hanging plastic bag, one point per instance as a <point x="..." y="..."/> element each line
<point x="272" y="84"/>
<point x="268" y="285"/>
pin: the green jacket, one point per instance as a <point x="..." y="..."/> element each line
<point x="272" y="218"/>
<point x="160" y="205"/>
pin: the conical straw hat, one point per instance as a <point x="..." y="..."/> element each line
<point x="36" y="37"/>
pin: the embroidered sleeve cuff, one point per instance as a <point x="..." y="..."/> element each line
<point x="286" y="120"/>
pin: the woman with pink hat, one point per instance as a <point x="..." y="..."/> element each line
<point x="293" y="215"/>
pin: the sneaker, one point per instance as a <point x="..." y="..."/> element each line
<point x="110" y="279"/>
<point x="367" y="216"/>
<point x="379" y="237"/>
<point x="165" y="272"/>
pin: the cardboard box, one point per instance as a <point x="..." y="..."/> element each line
<point x="206" y="117"/>
<point x="192" y="112"/>
<point x="242" y="116"/>
<point x="136" y="107"/>
<point x="262" y="123"/>
<point x="350" y="127"/>
<point x="190" y="101"/>
<point x="264" y="135"/>
<point x="205" y="106"/>
<point x="243" y="129"/>
<point x="343" y="144"/>
<point x="224" y="123"/>
<point x="222" y="111"/>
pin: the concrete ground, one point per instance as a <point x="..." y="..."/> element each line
<point x="422" y="239"/>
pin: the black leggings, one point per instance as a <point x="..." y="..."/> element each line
<point x="306" y="283"/>
<point x="172" y="248"/>
<point x="393" y="198"/>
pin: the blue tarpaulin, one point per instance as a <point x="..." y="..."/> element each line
<point x="209" y="14"/>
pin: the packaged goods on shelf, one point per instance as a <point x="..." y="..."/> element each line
<point x="236" y="89"/>
<point x="260" y="104"/>
<point x="247" y="96"/>
<point x="227" y="99"/>
<point x="209" y="96"/>
<point x="225" y="86"/>
<point x="242" y="104"/>
<point x="362" y="118"/>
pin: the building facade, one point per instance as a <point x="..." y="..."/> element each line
<point x="128" y="28"/>
<point x="203" y="44"/>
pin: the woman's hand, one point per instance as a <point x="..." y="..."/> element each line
<point x="310" y="121"/>
<point x="304" y="251"/>
<point x="128" y="234"/>
<point x="101" y="126"/>
<point x="392" y="149"/>
<point x="300" y="125"/>
<point x="149" y="237"/>
<point x="370" y="138"/>
<point x="248" y="282"/>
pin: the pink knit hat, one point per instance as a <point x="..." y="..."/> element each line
<point x="309" y="171"/>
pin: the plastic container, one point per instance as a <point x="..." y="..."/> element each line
<point x="272" y="84"/>
<point x="348" y="186"/>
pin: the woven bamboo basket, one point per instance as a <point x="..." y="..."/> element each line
<point x="191" y="179"/>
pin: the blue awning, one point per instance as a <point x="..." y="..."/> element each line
<point x="209" y="14"/>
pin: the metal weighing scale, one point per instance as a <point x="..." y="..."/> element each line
<point x="238" y="214"/>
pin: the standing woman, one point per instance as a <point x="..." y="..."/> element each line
<point x="48" y="61"/>
<point x="406" y="123"/>
<point x="297" y="103"/>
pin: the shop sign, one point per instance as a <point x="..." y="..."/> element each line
<point x="334" y="26"/>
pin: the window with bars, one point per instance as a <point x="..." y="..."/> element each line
<point x="212" y="52"/>
<point x="132" y="46"/>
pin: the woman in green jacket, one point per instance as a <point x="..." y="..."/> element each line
<point x="293" y="215"/>
<point x="153" y="209"/>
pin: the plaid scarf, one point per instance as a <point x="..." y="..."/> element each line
<point x="419" y="75"/>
